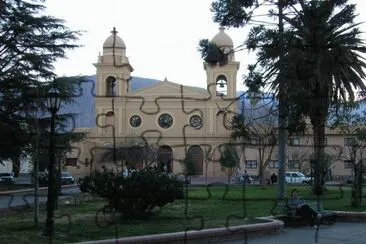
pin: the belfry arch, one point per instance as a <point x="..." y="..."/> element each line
<point x="221" y="85"/>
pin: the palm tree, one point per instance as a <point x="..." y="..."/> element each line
<point x="329" y="65"/>
<point x="321" y="63"/>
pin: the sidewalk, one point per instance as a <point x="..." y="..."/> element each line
<point x="339" y="233"/>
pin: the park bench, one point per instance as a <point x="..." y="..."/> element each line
<point x="290" y="217"/>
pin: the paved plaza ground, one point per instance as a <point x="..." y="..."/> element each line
<point x="338" y="233"/>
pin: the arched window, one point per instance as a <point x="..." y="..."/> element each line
<point x="221" y="85"/>
<point x="110" y="86"/>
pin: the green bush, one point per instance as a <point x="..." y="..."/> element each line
<point x="135" y="195"/>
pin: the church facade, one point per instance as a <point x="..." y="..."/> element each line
<point x="177" y="120"/>
<point x="180" y="120"/>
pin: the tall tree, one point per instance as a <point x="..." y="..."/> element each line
<point x="319" y="59"/>
<point x="30" y="43"/>
<point x="300" y="156"/>
<point x="38" y="119"/>
<point x="257" y="131"/>
<point x="129" y="152"/>
<point x="229" y="160"/>
<point x="239" y="13"/>
<point x="329" y="65"/>
<point x="351" y="122"/>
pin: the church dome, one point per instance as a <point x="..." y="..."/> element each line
<point x="114" y="38"/>
<point x="222" y="39"/>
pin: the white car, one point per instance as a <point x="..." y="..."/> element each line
<point x="296" y="178"/>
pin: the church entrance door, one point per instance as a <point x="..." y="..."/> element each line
<point x="165" y="159"/>
<point x="196" y="154"/>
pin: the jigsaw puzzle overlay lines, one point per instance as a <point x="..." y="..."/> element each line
<point x="108" y="218"/>
<point x="110" y="138"/>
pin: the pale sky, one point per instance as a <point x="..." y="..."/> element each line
<point x="161" y="36"/>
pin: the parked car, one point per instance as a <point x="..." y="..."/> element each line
<point x="67" y="178"/>
<point x="6" y="178"/>
<point x="296" y="178"/>
<point x="240" y="179"/>
<point x="127" y="172"/>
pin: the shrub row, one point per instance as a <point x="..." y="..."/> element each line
<point x="135" y="195"/>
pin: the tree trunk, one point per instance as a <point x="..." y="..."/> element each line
<point x="16" y="166"/>
<point x="360" y="181"/>
<point x="282" y="109"/>
<point x="357" y="185"/>
<point x="319" y="141"/>
<point x="261" y="176"/>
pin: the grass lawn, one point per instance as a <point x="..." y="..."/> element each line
<point x="206" y="208"/>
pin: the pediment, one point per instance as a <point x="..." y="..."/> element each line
<point x="167" y="88"/>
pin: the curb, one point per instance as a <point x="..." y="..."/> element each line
<point x="223" y="234"/>
<point x="216" y="235"/>
<point x="22" y="190"/>
<point x="31" y="189"/>
<point x="347" y="216"/>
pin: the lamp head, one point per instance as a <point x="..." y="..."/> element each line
<point x="53" y="100"/>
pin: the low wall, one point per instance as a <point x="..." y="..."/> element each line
<point x="346" y="216"/>
<point x="216" y="235"/>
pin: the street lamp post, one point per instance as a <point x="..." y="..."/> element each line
<point x="53" y="105"/>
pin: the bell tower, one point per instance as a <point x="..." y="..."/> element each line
<point x="113" y="68"/>
<point x="221" y="79"/>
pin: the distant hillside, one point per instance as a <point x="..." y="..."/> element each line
<point x="84" y="104"/>
<point x="137" y="83"/>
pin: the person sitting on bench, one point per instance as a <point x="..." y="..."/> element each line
<point x="302" y="209"/>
